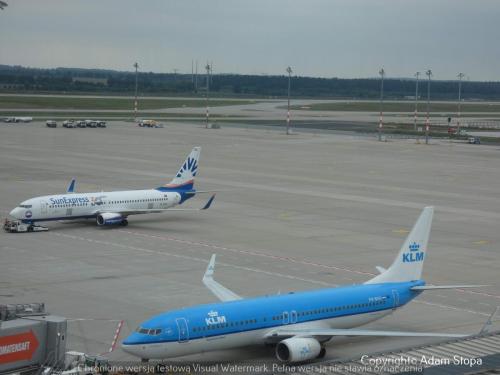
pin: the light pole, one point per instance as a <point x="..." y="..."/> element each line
<point x="136" y="66"/>
<point x="460" y="76"/>
<point x="428" y="73"/>
<point x="207" y="67"/>
<point x="289" y="71"/>
<point x="381" y="123"/>
<point x="417" y="74"/>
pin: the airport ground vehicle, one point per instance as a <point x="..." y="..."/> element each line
<point x="51" y="124"/>
<point x="101" y="124"/>
<point x="68" y="124"/>
<point x="474" y="140"/>
<point x="18" y="119"/>
<point x="16" y="226"/>
<point x="147" y="123"/>
<point x="81" y="124"/>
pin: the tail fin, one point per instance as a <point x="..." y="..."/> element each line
<point x="184" y="179"/>
<point x="409" y="263"/>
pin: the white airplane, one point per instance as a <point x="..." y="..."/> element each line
<point x="301" y="323"/>
<point x="112" y="208"/>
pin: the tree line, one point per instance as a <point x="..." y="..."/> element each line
<point x="16" y="78"/>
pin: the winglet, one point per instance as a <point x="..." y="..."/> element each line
<point x="210" y="268"/>
<point x="71" y="186"/>
<point x="488" y="324"/>
<point x="217" y="289"/>
<point x="207" y="206"/>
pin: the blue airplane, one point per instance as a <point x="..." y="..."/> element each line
<point x="299" y="323"/>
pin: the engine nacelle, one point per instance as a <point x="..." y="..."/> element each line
<point x="298" y="349"/>
<point x="109" y="218"/>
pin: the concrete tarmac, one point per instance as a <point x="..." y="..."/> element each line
<point x="292" y="213"/>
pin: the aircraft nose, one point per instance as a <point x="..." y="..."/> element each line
<point x="15" y="213"/>
<point x="132" y="345"/>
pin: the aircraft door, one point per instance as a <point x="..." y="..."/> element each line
<point x="286" y="317"/>
<point x="182" y="327"/>
<point x="43" y="207"/>
<point x="395" y="297"/>
<point x="293" y="316"/>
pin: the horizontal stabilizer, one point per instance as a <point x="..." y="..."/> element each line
<point x="217" y="289"/>
<point x="437" y="287"/>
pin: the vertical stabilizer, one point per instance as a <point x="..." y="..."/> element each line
<point x="184" y="179"/>
<point x="410" y="260"/>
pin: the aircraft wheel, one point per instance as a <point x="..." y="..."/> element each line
<point x="322" y="353"/>
<point x="124" y="222"/>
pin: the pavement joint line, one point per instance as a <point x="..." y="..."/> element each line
<point x="250" y="252"/>
<point x="280" y="258"/>
<point x="164" y="253"/>
<point x="258" y="271"/>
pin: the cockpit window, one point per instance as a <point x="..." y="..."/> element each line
<point x="147" y="331"/>
<point x="25" y="205"/>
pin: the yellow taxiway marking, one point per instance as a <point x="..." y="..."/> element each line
<point x="401" y="231"/>
<point x="286" y="215"/>
<point x="481" y="242"/>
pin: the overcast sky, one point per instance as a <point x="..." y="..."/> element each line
<point x="325" y="38"/>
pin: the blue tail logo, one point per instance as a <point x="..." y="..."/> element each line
<point x="414" y="255"/>
<point x="189" y="165"/>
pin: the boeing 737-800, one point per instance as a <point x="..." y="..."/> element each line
<point x="298" y="323"/>
<point x="111" y="208"/>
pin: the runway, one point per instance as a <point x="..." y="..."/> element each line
<point x="291" y="213"/>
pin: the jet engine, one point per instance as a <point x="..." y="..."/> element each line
<point x="299" y="349"/>
<point x="109" y="218"/>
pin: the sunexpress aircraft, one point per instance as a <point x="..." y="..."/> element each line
<point x="112" y="208"/>
<point x="299" y="323"/>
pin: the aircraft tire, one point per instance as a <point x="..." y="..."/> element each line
<point x="322" y="352"/>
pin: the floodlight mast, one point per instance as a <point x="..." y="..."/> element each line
<point x="428" y="73"/>
<point x="381" y="121"/>
<point x="289" y="71"/>
<point x="207" y="95"/>
<point x="417" y="74"/>
<point x="136" y="66"/>
<point x="459" y="114"/>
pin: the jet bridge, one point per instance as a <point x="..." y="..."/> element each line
<point x="30" y="338"/>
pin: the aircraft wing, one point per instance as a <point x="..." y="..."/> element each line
<point x="158" y="210"/>
<point x="439" y="287"/>
<point x="332" y="332"/>
<point x="219" y="290"/>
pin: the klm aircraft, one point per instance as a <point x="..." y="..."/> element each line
<point x="300" y="324"/>
<point x="113" y="208"/>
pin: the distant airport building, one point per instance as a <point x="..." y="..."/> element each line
<point x="92" y="80"/>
